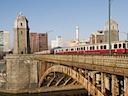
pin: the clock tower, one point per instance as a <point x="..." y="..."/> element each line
<point x="21" y="35"/>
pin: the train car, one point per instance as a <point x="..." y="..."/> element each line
<point x="117" y="47"/>
<point x="50" y="51"/>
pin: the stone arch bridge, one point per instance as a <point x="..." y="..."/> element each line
<point x="99" y="75"/>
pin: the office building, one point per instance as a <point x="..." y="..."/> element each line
<point x="38" y="42"/>
<point x="57" y="42"/>
<point x="4" y="41"/>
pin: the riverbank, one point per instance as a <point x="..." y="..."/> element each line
<point x="43" y="89"/>
<point x="46" y="91"/>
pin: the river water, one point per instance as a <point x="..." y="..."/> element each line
<point x="66" y="93"/>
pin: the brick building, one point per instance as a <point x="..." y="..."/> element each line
<point x="97" y="37"/>
<point x="38" y="42"/>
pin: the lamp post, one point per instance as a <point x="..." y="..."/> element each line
<point x="126" y="34"/>
<point x="109" y="12"/>
<point x="47" y="32"/>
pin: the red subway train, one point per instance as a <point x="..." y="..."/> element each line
<point x="117" y="47"/>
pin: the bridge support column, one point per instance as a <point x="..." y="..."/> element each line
<point x="21" y="73"/>
<point x="41" y="68"/>
<point x="89" y="86"/>
<point x="114" y="86"/>
<point x="86" y="74"/>
<point x="94" y="81"/>
<point x="125" y="86"/>
<point x="103" y="83"/>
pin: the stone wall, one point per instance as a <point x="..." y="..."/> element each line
<point x="21" y="72"/>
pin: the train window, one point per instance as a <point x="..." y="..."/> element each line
<point x="72" y="49"/>
<point x="90" y="48"/>
<point x="81" y="48"/>
<point x="119" y="45"/>
<point x="93" y="48"/>
<point x="97" y="47"/>
<point x="101" y="47"/>
<point x="104" y="46"/>
<point x="84" y="48"/>
<point x="66" y="49"/>
<point x="62" y="50"/>
<point x="77" y="49"/>
<point x="87" y="48"/>
<point x="124" y="45"/>
<point x="115" y="45"/>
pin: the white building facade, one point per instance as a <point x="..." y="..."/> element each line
<point x="57" y="42"/>
<point x="4" y="41"/>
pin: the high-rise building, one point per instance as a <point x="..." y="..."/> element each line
<point x="114" y="32"/>
<point x="1" y="41"/>
<point x="77" y="34"/>
<point x="42" y="42"/>
<point x="21" y="35"/>
<point x="38" y="42"/>
<point x="57" y="42"/>
<point x="33" y="42"/>
<point x="4" y="41"/>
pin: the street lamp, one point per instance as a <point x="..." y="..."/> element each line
<point x="47" y="32"/>
<point x="126" y="34"/>
<point x="109" y="14"/>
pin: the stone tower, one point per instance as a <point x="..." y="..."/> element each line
<point x="77" y="34"/>
<point x="114" y="32"/>
<point x="21" y="35"/>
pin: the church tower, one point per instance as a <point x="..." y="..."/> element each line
<point x="114" y="32"/>
<point x="21" y="35"/>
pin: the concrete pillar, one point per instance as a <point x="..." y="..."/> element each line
<point x="103" y="83"/>
<point x="21" y="72"/>
<point x="41" y="68"/>
<point x="94" y="81"/>
<point x="114" y="85"/>
<point x="125" y="86"/>
<point x="86" y="74"/>
<point x="89" y="86"/>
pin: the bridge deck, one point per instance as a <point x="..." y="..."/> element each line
<point x="109" y="64"/>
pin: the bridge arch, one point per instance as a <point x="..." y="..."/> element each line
<point x="74" y="74"/>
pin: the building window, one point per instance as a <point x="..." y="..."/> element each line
<point x="113" y="27"/>
<point x="21" y="24"/>
<point x="21" y="52"/>
<point x="21" y="32"/>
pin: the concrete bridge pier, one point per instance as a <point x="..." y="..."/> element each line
<point x="103" y="83"/>
<point x="114" y="86"/>
<point x="125" y="86"/>
<point x="41" y="68"/>
<point x="21" y="73"/>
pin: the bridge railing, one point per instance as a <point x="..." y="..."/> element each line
<point x="114" y="60"/>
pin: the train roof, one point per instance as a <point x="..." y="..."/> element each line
<point x="123" y="41"/>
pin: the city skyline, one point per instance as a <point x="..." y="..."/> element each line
<point x="63" y="16"/>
